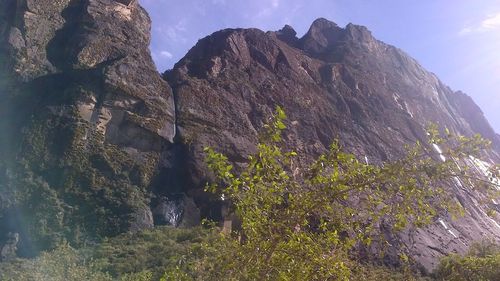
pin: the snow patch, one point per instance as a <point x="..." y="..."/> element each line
<point x="408" y="110"/>
<point x="484" y="168"/>
<point x="441" y="221"/>
<point x="458" y="182"/>
<point x="494" y="222"/>
<point x="443" y="224"/>
<point x="438" y="150"/>
<point x="403" y="106"/>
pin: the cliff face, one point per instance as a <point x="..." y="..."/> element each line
<point x="85" y="121"/>
<point x="96" y="143"/>
<point x="333" y="83"/>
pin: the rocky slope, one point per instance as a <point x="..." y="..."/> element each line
<point x="96" y="143"/>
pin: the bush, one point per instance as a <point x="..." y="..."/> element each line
<point x="482" y="262"/>
<point x="143" y="256"/>
<point x="62" y="264"/>
<point x="154" y="251"/>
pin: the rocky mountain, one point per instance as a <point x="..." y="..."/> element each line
<point x="97" y="143"/>
<point x="334" y="83"/>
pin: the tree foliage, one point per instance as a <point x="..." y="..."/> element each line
<point x="297" y="222"/>
<point x="302" y="223"/>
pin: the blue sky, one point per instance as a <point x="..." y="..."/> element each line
<point x="459" y="40"/>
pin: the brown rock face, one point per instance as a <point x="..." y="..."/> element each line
<point x="333" y="83"/>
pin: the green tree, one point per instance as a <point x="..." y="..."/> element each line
<point x="303" y="223"/>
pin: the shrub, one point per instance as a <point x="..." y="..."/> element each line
<point x="62" y="264"/>
<point x="482" y="262"/>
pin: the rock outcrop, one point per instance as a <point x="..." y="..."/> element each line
<point x="85" y="123"/>
<point x="94" y="142"/>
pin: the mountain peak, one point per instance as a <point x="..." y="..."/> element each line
<point x="324" y="36"/>
<point x="322" y="23"/>
<point x="359" y="33"/>
<point x="288" y="35"/>
<point x="321" y="36"/>
<point x="116" y="148"/>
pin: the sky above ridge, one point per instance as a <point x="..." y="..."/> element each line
<point x="458" y="40"/>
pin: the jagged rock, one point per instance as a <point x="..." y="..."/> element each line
<point x="321" y="37"/>
<point x="333" y="83"/>
<point x="287" y="34"/>
<point x="125" y="2"/>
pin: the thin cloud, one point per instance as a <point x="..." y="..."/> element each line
<point x="175" y="33"/>
<point x="268" y="9"/>
<point x="490" y="23"/>
<point x="166" y="54"/>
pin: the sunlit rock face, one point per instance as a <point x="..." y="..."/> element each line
<point x="85" y="119"/>
<point x="333" y="83"/>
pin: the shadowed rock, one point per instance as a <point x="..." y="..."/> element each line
<point x="92" y="120"/>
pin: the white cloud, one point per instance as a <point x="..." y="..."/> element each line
<point x="166" y="54"/>
<point x="492" y="22"/>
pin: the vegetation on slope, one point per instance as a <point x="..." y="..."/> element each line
<point x="309" y="223"/>
<point x="146" y="256"/>
<point x="141" y="256"/>
<point x="66" y="183"/>
<point x="482" y="262"/>
<point x="296" y="223"/>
